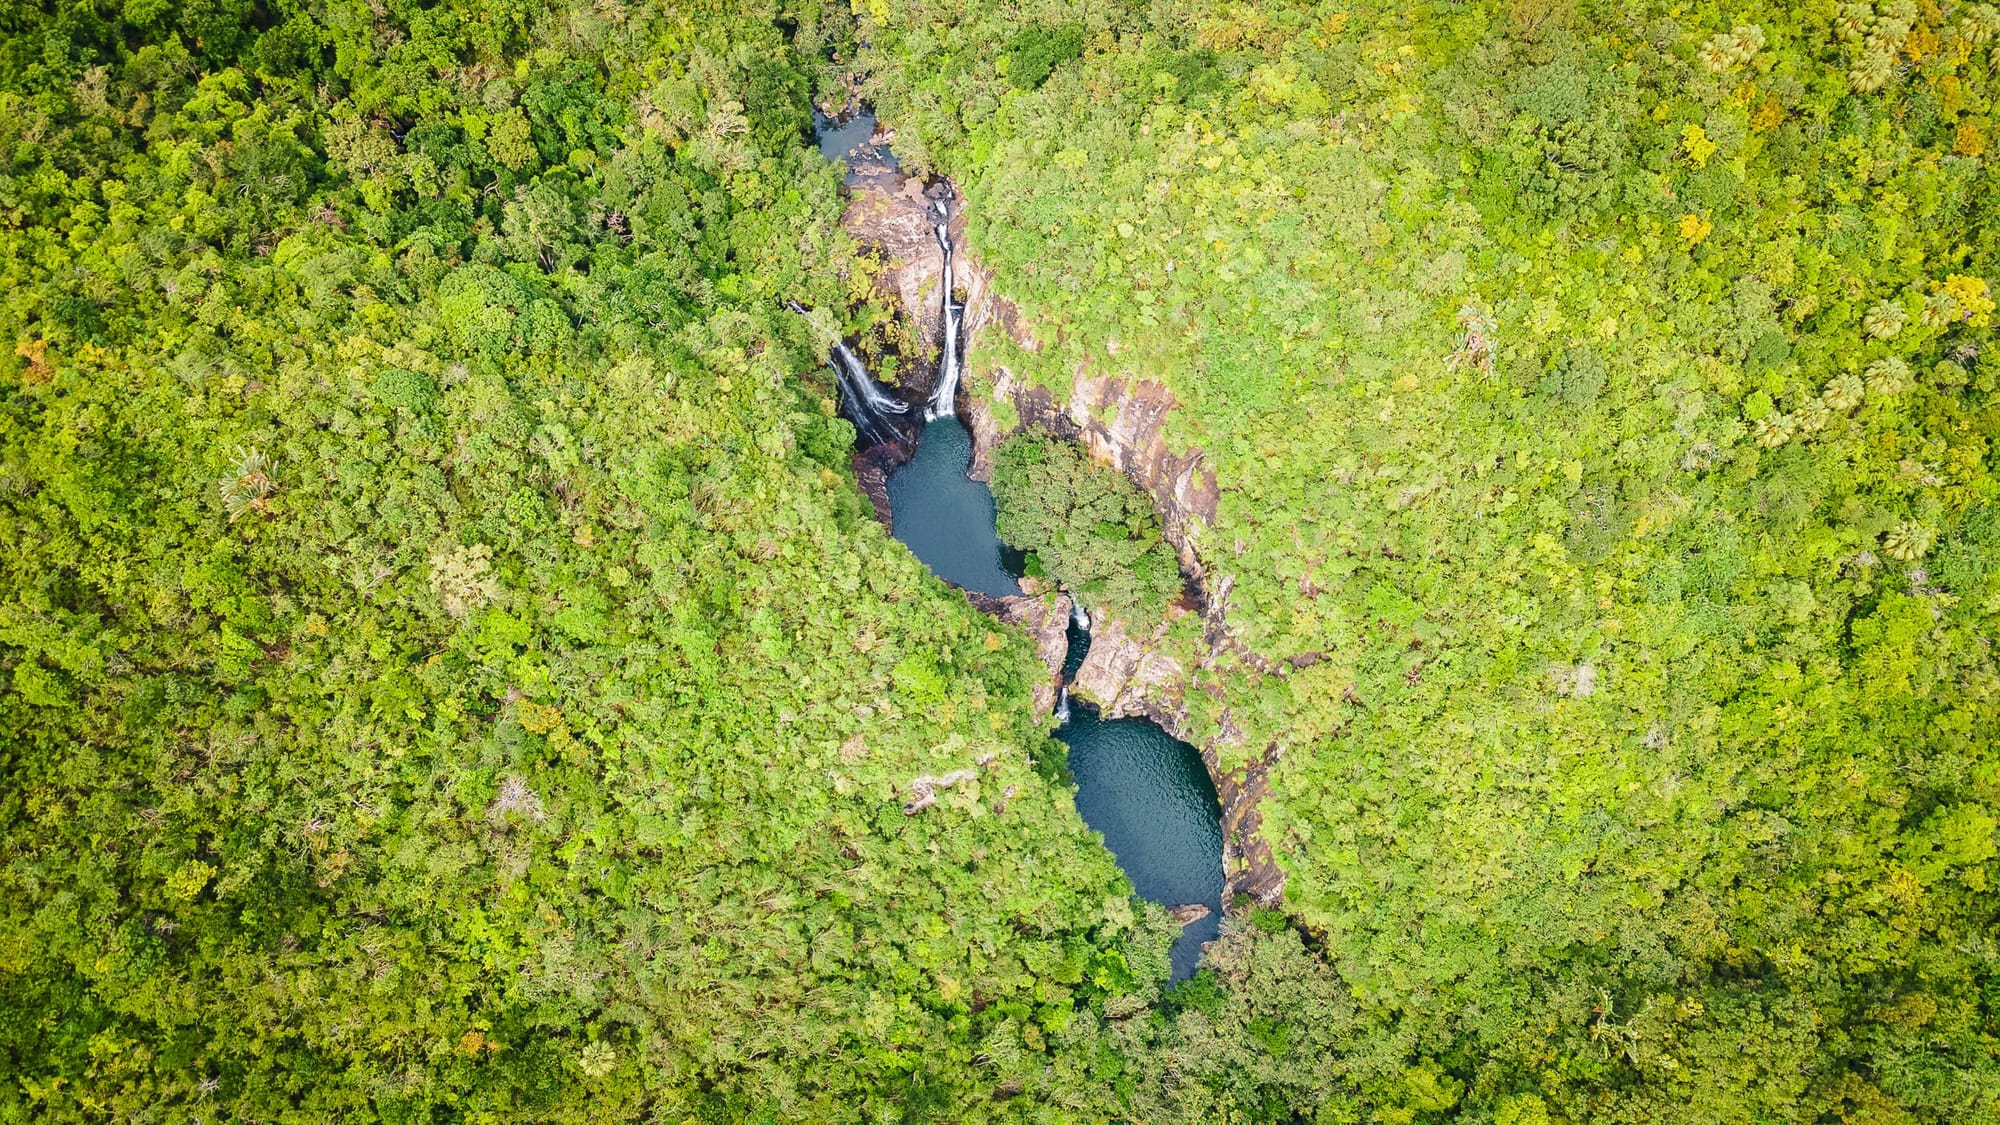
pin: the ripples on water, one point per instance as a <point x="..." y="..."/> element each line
<point x="1153" y="800"/>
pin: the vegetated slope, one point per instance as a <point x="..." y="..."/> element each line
<point x="1084" y="525"/>
<point x="1602" y="397"/>
<point x="449" y="671"/>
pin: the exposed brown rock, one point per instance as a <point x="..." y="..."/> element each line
<point x="1121" y="422"/>
<point x="1045" y="618"/>
<point x="1128" y="676"/>
<point x="894" y="216"/>
<point x="1246" y="854"/>
<point x="1189" y="913"/>
<point x="1124" y="675"/>
<point x="897" y="224"/>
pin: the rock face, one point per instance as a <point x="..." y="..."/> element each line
<point x="1045" y="618"/>
<point x="1122" y="675"/>
<point x="895" y="216"/>
<point x="1121" y="422"/>
<point x="1130" y="676"/>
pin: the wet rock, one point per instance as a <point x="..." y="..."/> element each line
<point x="897" y="224"/>
<point x="892" y="215"/>
<point x="1124" y="675"/>
<point x="872" y="467"/>
<point x="1190" y="913"/>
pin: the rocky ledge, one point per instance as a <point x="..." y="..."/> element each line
<point x="1045" y="618"/>
<point x="1127" y="675"/>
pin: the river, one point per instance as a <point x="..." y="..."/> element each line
<point x="1146" y="792"/>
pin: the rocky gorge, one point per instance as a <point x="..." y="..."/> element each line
<point x="1130" y="670"/>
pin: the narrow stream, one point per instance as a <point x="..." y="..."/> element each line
<point x="1146" y="792"/>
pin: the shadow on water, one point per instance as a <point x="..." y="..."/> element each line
<point x="1078" y="639"/>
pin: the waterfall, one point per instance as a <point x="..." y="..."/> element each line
<point x="868" y="404"/>
<point x="1078" y="616"/>
<point x="871" y="393"/>
<point x="1062" y="705"/>
<point x="946" y="390"/>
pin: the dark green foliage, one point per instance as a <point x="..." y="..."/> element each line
<point x="447" y="672"/>
<point x="1087" y="525"/>
<point x="1576" y="378"/>
<point x="1571" y="111"/>
<point x="1197" y="74"/>
<point x="1034" y="53"/>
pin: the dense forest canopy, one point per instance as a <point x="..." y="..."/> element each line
<point x="450" y="672"/>
<point x="1602" y="397"/>
<point x="1084" y="525"/>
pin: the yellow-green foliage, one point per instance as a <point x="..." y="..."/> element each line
<point x="447" y="671"/>
<point x="1605" y="452"/>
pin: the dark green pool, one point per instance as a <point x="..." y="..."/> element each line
<point x="946" y="517"/>
<point x="1150" y="796"/>
<point x="848" y="141"/>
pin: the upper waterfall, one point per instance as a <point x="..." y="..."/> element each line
<point x="943" y="394"/>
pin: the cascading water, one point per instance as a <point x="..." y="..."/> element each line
<point x="942" y="404"/>
<point x="868" y="404"/>
<point x="877" y="400"/>
<point x="1062" y="704"/>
